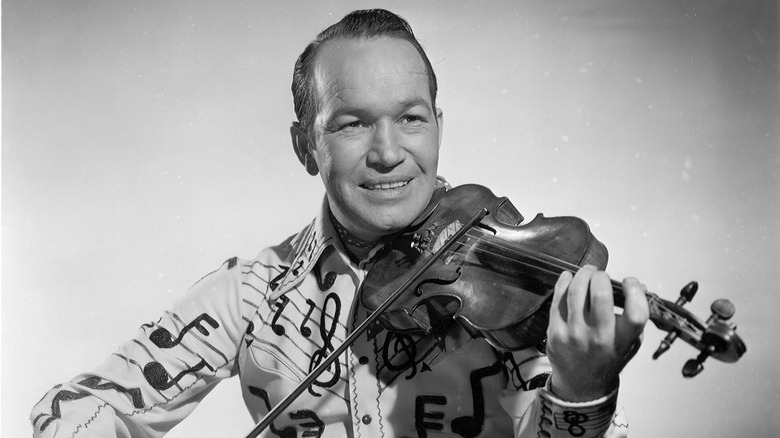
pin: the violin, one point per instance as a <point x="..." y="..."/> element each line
<point x="474" y="264"/>
<point x="467" y="260"/>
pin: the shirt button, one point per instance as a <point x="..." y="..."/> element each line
<point x="363" y="360"/>
<point x="366" y="419"/>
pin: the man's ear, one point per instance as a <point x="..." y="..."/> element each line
<point x="300" y="143"/>
<point x="440" y="123"/>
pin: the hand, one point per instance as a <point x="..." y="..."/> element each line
<point x="587" y="343"/>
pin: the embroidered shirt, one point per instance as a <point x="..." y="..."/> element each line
<point x="273" y="319"/>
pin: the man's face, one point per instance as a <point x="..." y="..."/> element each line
<point x="377" y="134"/>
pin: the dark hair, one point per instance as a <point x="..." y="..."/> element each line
<point x="364" y="24"/>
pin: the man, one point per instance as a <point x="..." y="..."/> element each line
<point x="365" y="97"/>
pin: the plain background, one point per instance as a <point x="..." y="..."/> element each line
<point x="145" y="142"/>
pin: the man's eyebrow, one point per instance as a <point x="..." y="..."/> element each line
<point x="400" y="107"/>
<point x="417" y="101"/>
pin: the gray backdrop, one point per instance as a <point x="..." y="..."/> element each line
<point x="145" y="142"/>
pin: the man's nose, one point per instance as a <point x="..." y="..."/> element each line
<point x="386" y="150"/>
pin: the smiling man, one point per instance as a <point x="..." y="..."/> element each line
<point x="376" y="137"/>
<point x="365" y="98"/>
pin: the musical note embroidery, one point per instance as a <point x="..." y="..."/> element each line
<point x="324" y="283"/>
<point x="421" y="415"/>
<point x="287" y="432"/>
<point x="61" y="396"/>
<point x="518" y="382"/>
<point x="315" y="427"/>
<point x="158" y="377"/>
<point x="274" y="283"/>
<point x="277" y="281"/>
<point x="306" y="331"/>
<point x="578" y="423"/>
<point x="310" y="246"/>
<point x="327" y="335"/>
<point x="316" y="423"/>
<point x="297" y="269"/>
<point x="162" y="338"/>
<point x="135" y="394"/>
<point x="399" y="352"/>
<point x="92" y="382"/>
<point x="471" y="426"/>
<point x="402" y="344"/>
<point x="249" y="329"/>
<point x="280" y="304"/>
<point x="574" y="419"/>
<point x="538" y="381"/>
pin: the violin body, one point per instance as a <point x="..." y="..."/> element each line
<point x="484" y="283"/>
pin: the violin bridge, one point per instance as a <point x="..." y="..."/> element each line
<point x="424" y="240"/>
<point x="446" y="234"/>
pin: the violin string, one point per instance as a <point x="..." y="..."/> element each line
<point x="656" y="304"/>
<point x="544" y="262"/>
<point x="548" y="264"/>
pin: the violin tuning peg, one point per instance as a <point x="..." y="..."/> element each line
<point x="687" y="293"/>
<point x="692" y="368"/>
<point x="722" y="309"/>
<point x="666" y="343"/>
<point x="695" y="366"/>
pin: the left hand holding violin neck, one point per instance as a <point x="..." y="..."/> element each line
<point x="588" y="344"/>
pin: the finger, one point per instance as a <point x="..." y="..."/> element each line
<point x="558" y="309"/>
<point x="636" y="312"/>
<point x="577" y="294"/>
<point x="602" y="305"/>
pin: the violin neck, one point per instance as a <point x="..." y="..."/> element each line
<point x="665" y="314"/>
<point x="658" y="306"/>
<point x="618" y="295"/>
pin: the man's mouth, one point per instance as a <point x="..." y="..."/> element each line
<point x="386" y="186"/>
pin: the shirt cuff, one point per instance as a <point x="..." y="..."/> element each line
<point x="560" y="418"/>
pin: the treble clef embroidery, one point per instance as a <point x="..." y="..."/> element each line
<point x="327" y="334"/>
<point x="401" y="344"/>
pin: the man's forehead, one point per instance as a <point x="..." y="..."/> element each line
<point x="381" y="63"/>
<point x="351" y="48"/>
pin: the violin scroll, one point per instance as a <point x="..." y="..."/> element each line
<point x="716" y="337"/>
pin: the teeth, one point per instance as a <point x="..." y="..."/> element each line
<point x="387" y="186"/>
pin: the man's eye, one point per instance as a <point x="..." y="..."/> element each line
<point x="411" y="119"/>
<point x="353" y="125"/>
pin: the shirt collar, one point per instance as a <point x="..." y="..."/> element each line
<point x="307" y="246"/>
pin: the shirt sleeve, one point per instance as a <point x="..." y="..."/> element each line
<point x="536" y="411"/>
<point x="155" y="380"/>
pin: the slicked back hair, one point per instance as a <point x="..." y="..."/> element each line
<point x="363" y="24"/>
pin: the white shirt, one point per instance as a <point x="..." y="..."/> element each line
<point x="270" y="321"/>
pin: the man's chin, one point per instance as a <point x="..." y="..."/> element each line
<point x="388" y="227"/>
<point x="382" y="219"/>
<point x="379" y="226"/>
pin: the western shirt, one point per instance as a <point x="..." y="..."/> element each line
<point x="271" y="320"/>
